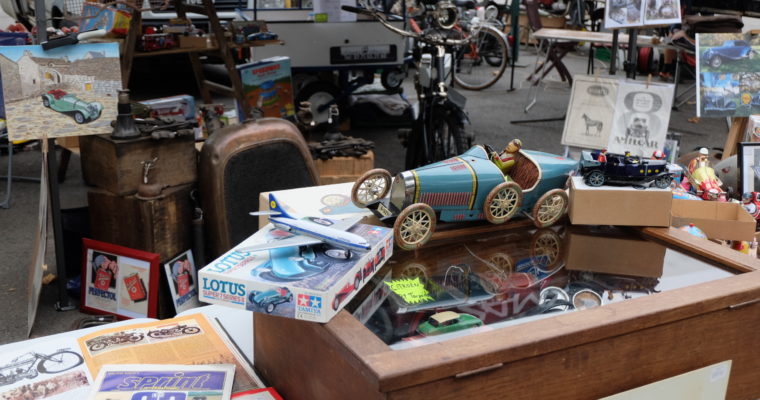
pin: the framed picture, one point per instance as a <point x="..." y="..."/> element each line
<point x="183" y="281"/>
<point x="749" y="167"/>
<point x="590" y="112"/>
<point x="641" y="118"/>
<point x="118" y="280"/>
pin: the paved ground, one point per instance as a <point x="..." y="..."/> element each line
<point x="490" y="111"/>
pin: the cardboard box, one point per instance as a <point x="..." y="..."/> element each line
<point x="344" y="169"/>
<point x="334" y="203"/>
<point x="727" y="221"/>
<point x="325" y="283"/>
<point x="618" y="205"/>
<point x="600" y="250"/>
<point x="195" y="42"/>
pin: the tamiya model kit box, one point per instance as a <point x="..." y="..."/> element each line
<point x="303" y="282"/>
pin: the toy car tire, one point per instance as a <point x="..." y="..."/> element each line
<point x="546" y="244"/>
<point x="335" y="304"/>
<point x="269" y="308"/>
<point x="549" y="208"/>
<point x="79" y="118"/>
<point x="502" y="202"/>
<point x="663" y="181"/>
<point x="716" y="61"/>
<point x="371" y="186"/>
<point x="45" y="101"/>
<point x="594" y="178"/>
<point x="414" y="226"/>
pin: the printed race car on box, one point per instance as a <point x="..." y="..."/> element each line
<point x="468" y="187"/>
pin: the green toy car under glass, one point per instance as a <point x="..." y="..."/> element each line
<point x="448" y="321"/>
<point x="81" y="111"/>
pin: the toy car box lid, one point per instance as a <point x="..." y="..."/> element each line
<point x="302" y="282"/>
<point x="727" y="221"/>
<point x="618" y="205"/>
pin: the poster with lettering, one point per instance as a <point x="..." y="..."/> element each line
<point x="153" y="381"/>
<point x="642" y="115"/>
<point x="183" y="282"/>
<point x="590" y="111"/>
<point x="119" y="280"/>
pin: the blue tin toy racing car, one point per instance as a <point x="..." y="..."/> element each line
<point x="468" y="187"/>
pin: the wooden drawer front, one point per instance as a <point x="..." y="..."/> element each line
<point x="620" y="363"/>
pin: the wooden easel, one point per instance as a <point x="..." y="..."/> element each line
<point x="735" y="136"/>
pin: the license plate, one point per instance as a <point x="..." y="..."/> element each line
<point x="383" y="210"/>
<point x="363" y="54"/>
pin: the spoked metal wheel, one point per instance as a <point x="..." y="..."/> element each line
<point x="414" y="226"/>
<point x="550" y="208"/>
<point x="546" y="247"/>
<point x="371" y="186"/>
<point x="481" y="63"/>
<point x="595" y="178"/>
<point x="503" y="202"/>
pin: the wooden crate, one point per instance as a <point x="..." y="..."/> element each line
<point x="162" y="226"/>
<point x="344" y="169"/>
<point x="588" y="354"/>
<point x="115" y="165"/>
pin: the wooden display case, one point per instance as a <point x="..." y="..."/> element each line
<point x="587" y="354"/>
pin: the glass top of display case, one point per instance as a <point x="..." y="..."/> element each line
<point x="470" y="285"/>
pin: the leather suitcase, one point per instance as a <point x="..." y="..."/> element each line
<point x="238" y="163"/>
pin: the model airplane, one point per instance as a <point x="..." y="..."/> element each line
<point x="309" y="230"/>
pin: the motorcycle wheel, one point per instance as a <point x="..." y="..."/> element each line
<point x="448" y="136"/>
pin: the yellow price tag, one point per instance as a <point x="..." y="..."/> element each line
<point x="412" y="291"/>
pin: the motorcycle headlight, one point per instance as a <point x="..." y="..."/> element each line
<point x="445" y="15"/>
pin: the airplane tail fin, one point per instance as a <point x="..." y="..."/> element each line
<point x="274" y="207"/>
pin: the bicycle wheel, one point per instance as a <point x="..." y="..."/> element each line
<point x="481" y="63"/>
<point x="59" y="362"/>
<point x="447" y="135"/>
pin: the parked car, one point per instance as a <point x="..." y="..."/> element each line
<point x="624" y="169"/>
<point x="730" y="50"/>
<point x="718" y="103"/>
<point x="268" y="300"/>
<point x="64" y="103"/>
<point x="468" y="187"/>
<point x="448" y="321"/>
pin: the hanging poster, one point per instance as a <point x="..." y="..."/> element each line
<point x="119" y="280"/>
<point x="642" y="115"/>
<point x="631" y="13"/>
<point x="73" y="88"/>
<point x="728" y="68"/>
<point x="589" y="115"/>
<point x="183" y="282"/>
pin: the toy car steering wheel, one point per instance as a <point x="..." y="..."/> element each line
<point x="490" y="151"/>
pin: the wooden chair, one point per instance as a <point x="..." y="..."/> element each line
<point x="555" y="50"/>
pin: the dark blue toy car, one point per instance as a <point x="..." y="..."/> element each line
<point x="730" y="50"/>
<point x="624" y="169"/>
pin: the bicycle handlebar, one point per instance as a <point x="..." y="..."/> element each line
<point x="430" y="39"/>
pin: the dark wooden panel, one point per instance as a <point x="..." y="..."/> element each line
<point x="610" y="366"/>
<point x="304" y="361"/>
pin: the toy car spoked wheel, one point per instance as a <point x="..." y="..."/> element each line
<point x="546" y="247"/>
<point x="413" y="270"/>
<point x="502" y="202"/>
<point x="45" y="102"/>
<point x="550" y="208"/>
<point x="716" y="62"/>
<point x="270" y="308"/>
<point x="79" y="117"/>
<point x="414" y="226"/>
<point x="595" y="178"/>
<point x="663" y="181"/>
<point x="371" y="186"/>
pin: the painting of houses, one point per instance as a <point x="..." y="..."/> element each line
<point x="68" y="91"/>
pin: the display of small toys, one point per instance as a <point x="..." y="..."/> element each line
<point x="157" y="41"/>
<point x="468" y="187"/>
<point x="701" y="179"/>
<point x="599" y="168"/>
<point x="751" y="203"/>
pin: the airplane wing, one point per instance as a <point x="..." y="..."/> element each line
<point x="298" y="240"/>
<point x="346" y="224"/>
